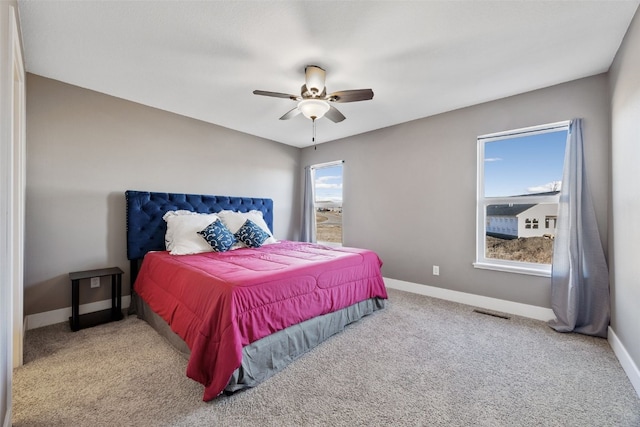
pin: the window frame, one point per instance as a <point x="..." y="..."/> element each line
<point x="482" y="202"/>
<point x="321" y="166"/>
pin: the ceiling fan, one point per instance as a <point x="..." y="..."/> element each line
<point x="313" y="101"/>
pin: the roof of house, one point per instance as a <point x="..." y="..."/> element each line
<point x="544" y="193"/>
<point x="510" y="209"/>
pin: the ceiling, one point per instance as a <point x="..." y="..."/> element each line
<point x="203" y="59"/>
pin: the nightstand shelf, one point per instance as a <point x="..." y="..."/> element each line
<point x="77" y="321"/>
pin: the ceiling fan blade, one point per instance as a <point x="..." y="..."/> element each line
<point x="350" y="95"/>
<point x="276" y="94"/>
<point x="290" y="114"/>
<point x="334" y="115"/>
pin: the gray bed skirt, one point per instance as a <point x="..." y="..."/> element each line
<point x="263" y="358"/>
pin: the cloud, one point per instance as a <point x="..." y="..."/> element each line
<point x="328" y="178"/>
<point x="325" y="182"/>
<point x="550" y="186"/>
<point x="327" y="185"/>
<point x="493" y="159"/>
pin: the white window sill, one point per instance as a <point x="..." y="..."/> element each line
<point x="332" y="244"/>
<point x="543" y="270"/>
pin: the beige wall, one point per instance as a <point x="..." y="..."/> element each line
<point x="84" y="149"/>
<point x="625" y="182"/>
<point x="410" y="190"/>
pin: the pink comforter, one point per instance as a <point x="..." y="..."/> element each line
<point x="220" y="302"/>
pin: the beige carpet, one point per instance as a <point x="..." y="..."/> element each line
<point x="419" y="362"/>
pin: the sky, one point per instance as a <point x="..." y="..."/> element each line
<point x="329" y="184"/>
<point x="524" y="165"/>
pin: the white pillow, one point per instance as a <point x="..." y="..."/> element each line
<point x="182" y="236"/>
<point x="235" y="220"/>
<point x="168" y="237"/>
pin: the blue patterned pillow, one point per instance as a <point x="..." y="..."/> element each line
<point x="218" y="236"/>
<point x="251" y="234"/>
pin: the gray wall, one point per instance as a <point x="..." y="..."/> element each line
<point x="410" y="190"/>
<point x="84" y="149"/>
<point x="625" y="181"/>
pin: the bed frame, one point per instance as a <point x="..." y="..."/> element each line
<point x="262" y="358"/>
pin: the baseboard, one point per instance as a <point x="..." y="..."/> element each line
<point x="630" y="368"/>
<point x="52" y="317"/>
<point x="510" y="307"/>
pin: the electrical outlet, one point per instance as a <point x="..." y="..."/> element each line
<point x="436" y="270"/>
<point x="95" y="282"/>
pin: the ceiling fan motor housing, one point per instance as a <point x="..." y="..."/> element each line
<point x="314" y="79"/>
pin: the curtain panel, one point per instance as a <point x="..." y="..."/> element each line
<point x="308" y="232"/>
<point x="580" y="276"/>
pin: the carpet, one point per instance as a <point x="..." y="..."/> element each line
<point x="419" y="362"/>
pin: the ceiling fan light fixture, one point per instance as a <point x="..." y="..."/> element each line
<point x="313" y="101"/>
<point x="313" y="108"/>
<point x="315" y="77"/>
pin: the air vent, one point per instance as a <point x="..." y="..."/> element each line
<point x="488" y="313"/>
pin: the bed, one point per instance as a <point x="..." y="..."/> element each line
<point x="241" y="313"/>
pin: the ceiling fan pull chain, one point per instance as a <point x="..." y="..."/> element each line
<point x="313" y="138"/>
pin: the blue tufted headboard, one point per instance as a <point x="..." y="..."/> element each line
<point x="146" y="228"/>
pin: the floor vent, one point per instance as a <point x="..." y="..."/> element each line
<point x="488" y="313"/>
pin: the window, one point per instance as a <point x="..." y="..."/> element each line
<point x="328" y="202"/>
<point x="519" y="181"/>
<point x="550" y="221"/>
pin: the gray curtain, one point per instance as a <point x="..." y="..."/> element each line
<point x="308" y="233"/>
<point x="579" y="277"/>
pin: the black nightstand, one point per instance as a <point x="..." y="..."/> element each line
<point x="97" y="317"/>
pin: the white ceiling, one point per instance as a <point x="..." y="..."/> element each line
<point x="203" y="59"/>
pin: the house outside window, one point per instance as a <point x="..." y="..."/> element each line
<point x="519" y="181"/>
<point x="328" y="202"/>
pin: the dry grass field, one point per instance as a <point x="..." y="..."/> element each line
<point x="527" y="249"/>
<point x="329" y="227"/>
